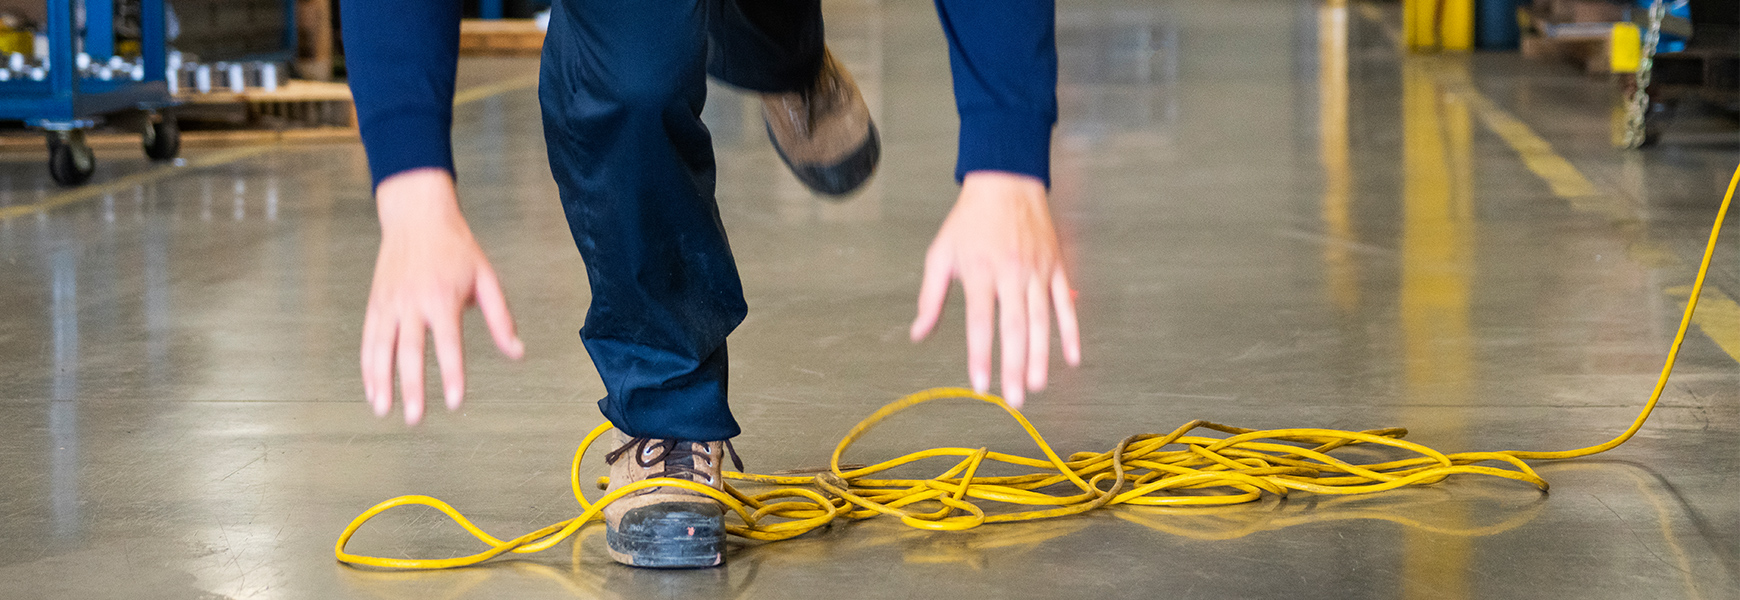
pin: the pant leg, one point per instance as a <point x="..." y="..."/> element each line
<point x="621" y="88"/>
<point x="766" y="45"/>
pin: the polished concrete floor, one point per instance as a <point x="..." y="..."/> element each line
<point x="1273" y="218"/>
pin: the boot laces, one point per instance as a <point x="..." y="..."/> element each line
<point x="823" y="96"/>
<point x="682" y="458"/>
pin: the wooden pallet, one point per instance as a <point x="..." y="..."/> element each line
<point x="1576" y="31"/>
<point x="1579" y="11"/>
<point x="1709" y="72"/>
<point x="297" y="104"/>
<point x="1592" y="51"/>
<point x="500" y="37"/>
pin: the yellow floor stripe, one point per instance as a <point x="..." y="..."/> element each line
<point x="1537" y="154"/>
<point x="1718" y="316"/>
<point x="130" y="181"/>
<point x="473" y="94"/>
<point x="463" y="97"/>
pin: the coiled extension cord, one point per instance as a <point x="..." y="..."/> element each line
<point x="1174" y="469"/>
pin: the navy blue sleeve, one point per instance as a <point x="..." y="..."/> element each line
<point x="401" y="56"/>
<point x="1003" y="54"/>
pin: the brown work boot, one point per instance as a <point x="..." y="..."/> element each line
<point x="824" y="133"/>
<point x="666" y="527"/>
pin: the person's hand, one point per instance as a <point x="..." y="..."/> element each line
<point x="429" y="271"/>
<point x="999" y="242"/>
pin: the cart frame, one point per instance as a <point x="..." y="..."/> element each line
<point x="65" y="102"/>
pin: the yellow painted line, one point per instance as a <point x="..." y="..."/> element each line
<point x="473" y="94"/>
<point x="1718" y="316"/>
<point x="465" y="96"/>
<point x="130" y="181"/>
<point x="1536" y="153"/>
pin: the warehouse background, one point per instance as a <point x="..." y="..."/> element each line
<point x="1277" y="215"/>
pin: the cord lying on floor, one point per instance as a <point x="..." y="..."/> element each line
<point x="1178" y="468"/>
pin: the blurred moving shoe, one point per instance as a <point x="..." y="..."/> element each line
<point x="824" y="133"/>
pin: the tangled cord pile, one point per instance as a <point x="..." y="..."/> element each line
<point x="1174" y="469"/>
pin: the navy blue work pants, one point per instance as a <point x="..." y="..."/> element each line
<point x="622" y="86"/>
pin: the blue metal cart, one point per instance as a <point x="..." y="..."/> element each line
<point x="70" y="98"/>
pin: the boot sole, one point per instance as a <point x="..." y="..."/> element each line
<point x="672" y="535"/>
<point x="840" y="178"/>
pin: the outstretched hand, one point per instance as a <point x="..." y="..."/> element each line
<point x="430" y="269"/>
<point x="999" y="242"/>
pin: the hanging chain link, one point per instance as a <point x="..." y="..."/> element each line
<point x="1638" y="108"/>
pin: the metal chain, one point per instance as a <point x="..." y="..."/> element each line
<point x="1638" y="108"/>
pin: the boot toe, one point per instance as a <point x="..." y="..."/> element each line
<point x="670" y="535"/>
<point x="840" y="178"/>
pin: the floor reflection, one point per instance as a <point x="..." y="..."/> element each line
<point x="1437" y="276"/>
<point x="1428" y="516"/>
<point x="63" y="416"/>
<point x="1340" y="268"/>
<point x="1117" y="79"/>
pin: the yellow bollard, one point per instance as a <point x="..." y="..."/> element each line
<point x="1625" y="48"/>
<point x="1432" y="25"/>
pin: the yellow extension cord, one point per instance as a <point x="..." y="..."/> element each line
<point x="1140" y="470"/>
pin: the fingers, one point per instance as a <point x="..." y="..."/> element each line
<point x="981" y="299"/>
<point x="1012" y="321"/>
<point x="377" y="362"/>
<point x="1038" y="334"/>
<point x="999" y="242"/>
<point x="410" y="359"/>
<point x="450" y="355"/>
<point x="933" y="291"/>
<point x="493" y="304"/>
<point x="1063" y="300"/>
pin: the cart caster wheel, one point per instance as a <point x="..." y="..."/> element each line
<point x="162" y="137"/>
<point x="70" y="160"/>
